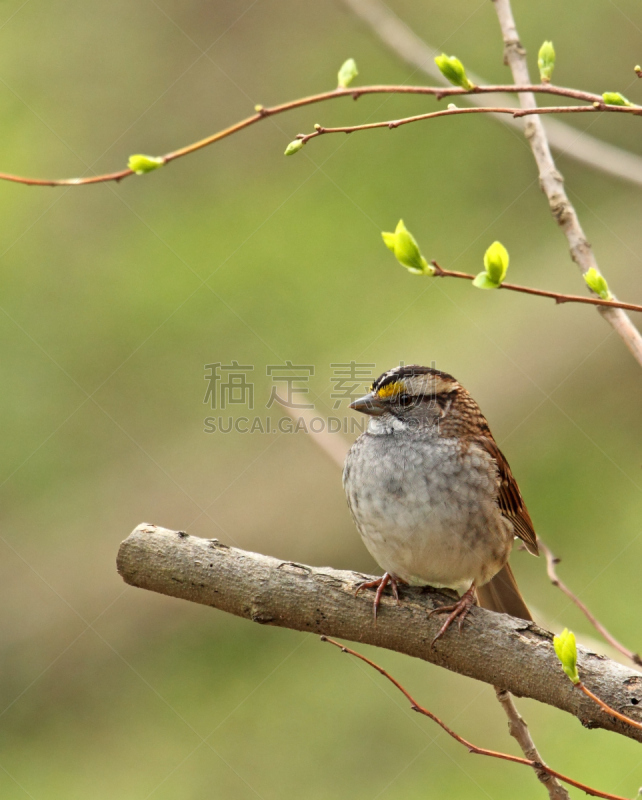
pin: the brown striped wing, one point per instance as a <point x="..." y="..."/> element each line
<point x="510" y="500"/>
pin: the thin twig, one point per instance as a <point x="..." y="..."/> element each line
<point x="419" y="55"/>
<point x="518" y="729"/>
<point x="471" y="747"/>
<point x="606" y="707"/>
<point x="391" y="124"/>
<point x="552" y="182"/>
<point x="263" y="113"/>
<point x="551" y="561"/>
<point x="440" y="272"/>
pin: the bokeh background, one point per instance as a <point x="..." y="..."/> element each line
<point x="115" y="297"/>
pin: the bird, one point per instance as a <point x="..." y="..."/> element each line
<point x="432" y="495"/>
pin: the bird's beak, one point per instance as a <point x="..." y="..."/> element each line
<point x="369" y="404"/>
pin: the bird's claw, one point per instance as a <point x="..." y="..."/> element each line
<point x="456" y="611"/>
<point x="380" y="584"/>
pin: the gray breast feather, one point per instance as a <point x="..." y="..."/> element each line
<point x="427" y="508"/>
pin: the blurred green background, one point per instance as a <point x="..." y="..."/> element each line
<point x="113" y="299"/>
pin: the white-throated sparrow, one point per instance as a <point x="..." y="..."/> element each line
<point x="432" y="495"/>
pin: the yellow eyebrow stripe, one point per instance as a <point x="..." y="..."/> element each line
<point x="390" y="389"/>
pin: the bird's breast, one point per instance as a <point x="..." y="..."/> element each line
<point x="427" y="509"/>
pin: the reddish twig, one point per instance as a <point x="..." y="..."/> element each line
<point x="450" y="112"/>
<point x="440" y="272"/>
<point x="536" y="765"/>
<point x="605" y="707"/>
<point x="438" y="92"/>
<point x="551" y="561"/>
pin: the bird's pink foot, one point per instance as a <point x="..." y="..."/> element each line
<point x="380" y="584"/>
<point x="457" y="611"/>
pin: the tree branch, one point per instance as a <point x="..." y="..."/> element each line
<point x="569" y="141"/>
<point x="552" y="182"/>
<point x="439" y="92"/>
<point x="391" y="124"/>
<point x="473" y="748"/>
<point x="551" y="562"/>
<point x="606" y="707"/>
<point x="440" y="272"/>
<point x="519" y="730"/>
<point x="512" y="654"/>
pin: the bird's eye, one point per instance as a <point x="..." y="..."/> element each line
<point x="405" y="400"/>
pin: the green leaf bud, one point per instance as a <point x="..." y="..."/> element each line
<point x="452" y="69"/>
<point x="404" y="245"/>
<point x="546" y="61"/>
<point x="294" y="147"/>
<point x="347" y="73"/>
<point x="496" y="262"/>
<point x="566" y="650"/>
<point x="389" y="240"/>
<point x="597" y="282"/>
<point x="615" y="99"/>
<point x="483" y="281"/>
<point x="407" y="250"/>
<point x="141" y="164"/>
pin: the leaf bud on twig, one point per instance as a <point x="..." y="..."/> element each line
<point x="615" y="99"/>
<point x="452" y="69"/>
<point x="404" y="245"/>
<point x="294" y="147"/>
<point x="566" y="651"/>
<point x="495" y="267"/>
<point x="597" y="283"/>
<point x="141" y="164"/>
<point x="347" y="73"/>
<point x="546" y="62"/>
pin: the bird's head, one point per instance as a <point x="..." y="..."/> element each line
<point x="421" y="394"/>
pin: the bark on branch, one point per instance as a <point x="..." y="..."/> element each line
<point x="511" y="654"/>
<point x="552" y="182"/>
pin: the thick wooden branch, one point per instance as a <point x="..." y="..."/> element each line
<point x="500" y="650"/>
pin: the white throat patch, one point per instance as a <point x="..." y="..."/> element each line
<point x="379" y="427"/>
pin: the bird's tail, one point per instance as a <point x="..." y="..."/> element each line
<point x="501" y="594"/>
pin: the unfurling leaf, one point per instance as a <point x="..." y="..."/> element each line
<point x="347" y="73"/>
<point x="141" y="164"/>
<point x="615" y="99"/>
<point x="482" y="281"/>
<point x="546" y="61"/>
<point x="566" y="650"/>
<point x="389" y="240"/>
<point x="404" y="245"/>
<point x="495" y="267"/>
<point x="597" y="282"/>
<point x="452" y="69"/>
